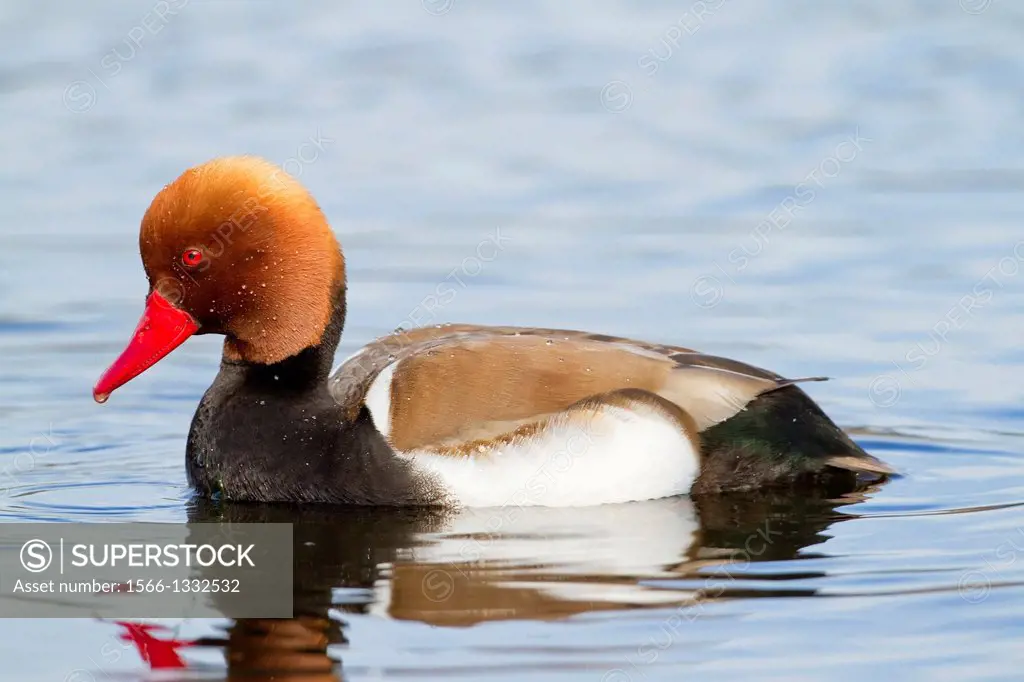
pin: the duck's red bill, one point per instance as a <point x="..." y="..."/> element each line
<point x="163" y="328"/>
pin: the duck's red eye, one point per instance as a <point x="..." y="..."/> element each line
<point x="191" y="258"/>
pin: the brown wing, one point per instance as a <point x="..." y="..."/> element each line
<point x="462" y="382"/>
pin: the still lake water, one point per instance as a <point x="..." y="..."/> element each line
<point x="815" y="188"/>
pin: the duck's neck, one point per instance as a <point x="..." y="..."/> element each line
<point x="305" y="371"/>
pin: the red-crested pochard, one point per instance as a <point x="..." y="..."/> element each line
<point x="453" y="414"/>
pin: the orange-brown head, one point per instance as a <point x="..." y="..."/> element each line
<point x="235" y="246"/>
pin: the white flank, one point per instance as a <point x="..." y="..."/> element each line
<point x="603" y="455"/>
<point x="378" y="400"/>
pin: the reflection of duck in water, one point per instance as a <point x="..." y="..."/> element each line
<point x="474" y="566"/>
<point x="280" y="649"/>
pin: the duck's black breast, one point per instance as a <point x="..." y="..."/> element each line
<point x="274" y="433"/>
<point x="258" y="438"/>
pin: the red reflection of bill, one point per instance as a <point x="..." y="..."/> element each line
<point x="158" y="653"/>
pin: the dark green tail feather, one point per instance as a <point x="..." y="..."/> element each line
<point x="782" y="438"/>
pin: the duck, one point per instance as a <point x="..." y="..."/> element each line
<point x="449" y="415"/>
